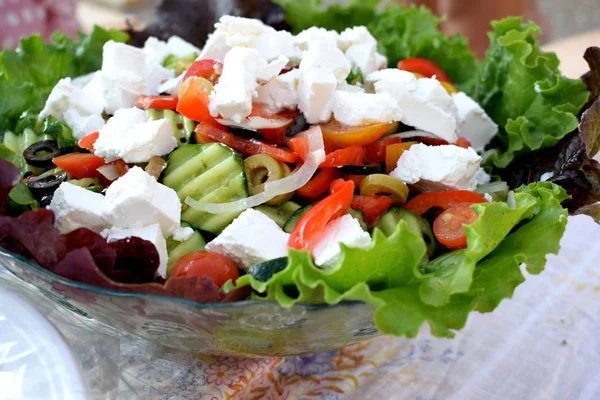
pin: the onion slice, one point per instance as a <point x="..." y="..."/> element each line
<point x="299" y="178"/>
<point x="109" y="171"/>
<point x="254" y="123"/>
<point x="412" y="134"/>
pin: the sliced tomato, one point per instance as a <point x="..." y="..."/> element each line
<point x="448" y="226"/>
<point x="319" y="184"/>
<point x="87" y="142"/>
<point x="372" y="207"/>
<point x="393" y="153"/>
<point x="340" y="135"/>
<point x="210" y="133"/>
<point x="157" y="102"/>
<point x="205" y="264"/>
<point x="274" y="135"/>
<point x="207" y="69"/>
<point x="80" y="165"/>
<point x="194" y="100"/>
<point x="309" y="230"/>
<point x="443" y="200"/>
<point x="424" y="67"/>
<point x="353" y="155"/>
<point x="375" y="152"/>
<point x="463" y="142"/>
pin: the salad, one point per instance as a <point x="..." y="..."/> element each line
<point x="345" y="160"/>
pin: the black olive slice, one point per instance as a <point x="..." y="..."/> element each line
<point x="299" y="125"/>
<point x="245" y="133"/>
<point x="46" y="199"/>
<point x="40" y="154"/>
<point x="46" y="184"/>
<point x="361" y="169"/>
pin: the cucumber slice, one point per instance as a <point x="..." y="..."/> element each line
<point x="265" y="270"/>
<point x="183" y="127"/>
<point x="390" y="220"/>
<point x="360" y="217"/>
<point x="281" y="213"/>
<point x="211" y="173"/>
<point x="176" y="249"/>
<point x="290" y="224"/>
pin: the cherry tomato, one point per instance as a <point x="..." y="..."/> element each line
<point x="444" y="200"/>
<point x="448" y="226"/>
<point x="353" y="155"/>
<point x="424" y="67"/>
<point x="309" y="230"/>
<point x="194" y="100"/>
<point x="340" y="136"/>
<point x="463" y="142"/>
<point x="202" y="263"/>
<point x="207" y="69"/>
<point x="393" y="153"/>
<point x="319" y="184"/>
<point x="375" y="152"/>
<point x="213" y="133"/>
<point x="372" y="207"/>
<point x="157" y="102"/>
<point x="80" y="165"/>
<point x="87" y="142"/>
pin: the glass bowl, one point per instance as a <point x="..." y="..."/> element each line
<point x="250" y="328"/>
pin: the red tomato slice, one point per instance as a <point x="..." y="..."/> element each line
<point x="207" y="69"/>
<point x="372" y="207"/>
<point x="444" y="200"/>
<point x="157" y="102"/>
<point x="274" y="135"/>
<point x="357" y="179"/>
<point x="375" y="152"/>
<point x="424" y="67"/>
<point x="80" y="165"/>
<point x="353" y="155"/>
<point x="202" y="263"/>
<point x="319" y="184"/>
<point x="211" y="133"/>
<point x="309" y="230"/>
<point x="340" y="135"/>
<point x="87" y="142"/>
<point x="194" y="100"/>
<point x="448" y="227"/>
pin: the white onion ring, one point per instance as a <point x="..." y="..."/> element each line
<point x="109" y="171"/>
<point x="254" y="123"/>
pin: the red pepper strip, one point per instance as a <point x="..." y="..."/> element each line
<point x="80" y="165"/>
<point x="424" y="67"/>
<point x="353" y="155"/>
<point x="87" y="142"/>
<point x="211" y="133"/>
<point x="309" y="230"/>
<point x="444" y="200"/>
<point x="319" y="184"/>
<point x="157" y="102"/>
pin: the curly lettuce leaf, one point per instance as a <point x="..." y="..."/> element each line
<point x="401" y="32"/>
<point x="389" y="274"/>
<point x="523" y="91"/>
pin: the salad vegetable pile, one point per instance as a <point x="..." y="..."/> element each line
<point x="362" y="156"/>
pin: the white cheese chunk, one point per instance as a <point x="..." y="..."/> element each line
<point x="355" y="35"/>
<point x="272" y="69"/>
<point x="216" y="47"/>
<point x="155" y="50"/>
<point x="280" y="93"/>
<point x="182" y="234"/>
<point x="364" y="57"/>
<point x="313" y="35"/>
<point x="322" y="54"/>
<point x="448" y="165"/>
<point x="473" y="122"/>
<point x="425" y="102"/>
<point x="128" y="135"/>
<point x="233" y="94"/>
<point x="240" y="31"/>
<point x="358" y="108"/>
<point x="350" y="88"/>
<point x="346" y="230"/>
<point x="71" y="105"/>
<point x="75" y="207"/>
<point x="180" y="47"/>
<point x="275" y="44"/>
<point x="151" y="233"/>
<point x="136" y="200"/>
<point x="315" y="94"/>
<point x="250" y="239"/>
<point x="171" y="86"/>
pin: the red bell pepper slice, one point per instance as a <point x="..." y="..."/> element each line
<point x="444" y="200"/>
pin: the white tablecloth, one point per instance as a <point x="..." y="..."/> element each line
<point x="542" y="344"/>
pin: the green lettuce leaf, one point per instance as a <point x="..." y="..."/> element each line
<point x="401" y="32"/>
<point x="28" y="74"/>
<point x="390" y="276"/>
<point x="523" y="91"/>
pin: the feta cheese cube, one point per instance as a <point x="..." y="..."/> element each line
<point x="216" y="47"/>
<point x="155" y="50"/>
<point x="272" y="69"/>
<point x="449" y="165"/>
<point x="280" y="93"/>
<point x="180" y="47"/>
<point x="274" y="44"/>
<point x="182" y="234"/>
<point x="355" y="35"/>
<point x="151" y="233"/>
<point x="381" y="61"/>
<point x="128" y="135"/>
<point x="125" y="64"/>
<point x="358" y="108"/>
<point x="171" y="86"/>
<point x="243" y="32"/>
<point x="346" y="230"/>
<point x="473" y="122"/>
<point x="322" y="54"/>
<point x="315" y="94"/>
<point x="71" y="105"/>
<point x="136" y="200"/>
<point x="345" y="87"/>
<point x="75" y="207"/>
<point x="250" y="239"/>
<point x="232" y="97"/>
<point x="363" y="56"/>
<point x="313" y="35"/>
<point x="425" y="103"/>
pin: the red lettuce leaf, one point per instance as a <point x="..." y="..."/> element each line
<point x="9" y="177"/>
<point x="592" y="78"/>
<point x="589" y="128"/>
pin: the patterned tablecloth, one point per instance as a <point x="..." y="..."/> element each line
<point x="543" y="344"/>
